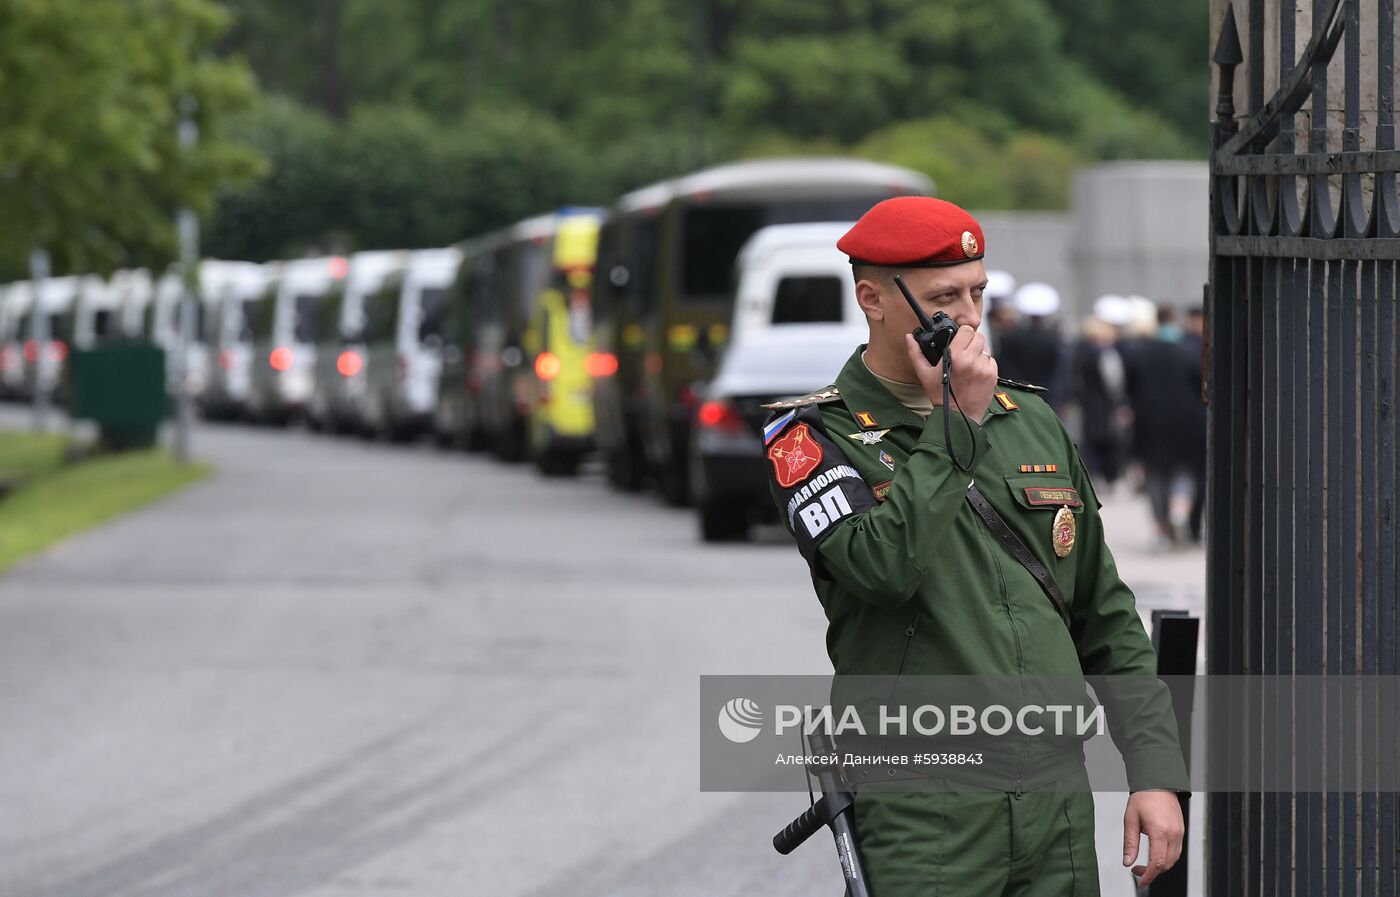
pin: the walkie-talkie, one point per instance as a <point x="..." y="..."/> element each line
<point x="933" y="334"/>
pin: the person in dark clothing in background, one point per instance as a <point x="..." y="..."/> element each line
<point x="1193" y="423"/>
<point x="1097" y="381"/>
<point x="1030" y="352"/>
<point x="1162" y="400"/>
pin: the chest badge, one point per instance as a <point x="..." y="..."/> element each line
<point x="886" y="459"/>
<point x="1062" y="532"/>
<point x="870" y="437"/>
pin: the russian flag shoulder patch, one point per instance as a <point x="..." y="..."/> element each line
<point x="775" y="426"/>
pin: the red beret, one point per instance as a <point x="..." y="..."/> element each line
<point x="914" y="232"/>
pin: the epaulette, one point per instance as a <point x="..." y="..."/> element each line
<point x="829" y="394"/>
<point x="1028" y="387"/>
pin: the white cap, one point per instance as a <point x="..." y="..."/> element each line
<point x="1113" y="309"/>
<point x="1144" y="316"/>
<point x="1037" y="300"/>
<point x="1000" y="286"/>
<point x="1144" y="310"/>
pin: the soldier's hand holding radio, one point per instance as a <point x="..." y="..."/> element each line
<point x="973" y="377"/>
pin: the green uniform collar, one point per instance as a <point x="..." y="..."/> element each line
<point x="863" y="395"/>
<point x="861" y="392"/>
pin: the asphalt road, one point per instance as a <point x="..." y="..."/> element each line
<point x="338" y="668"/>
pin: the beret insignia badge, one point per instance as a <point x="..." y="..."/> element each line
<point x="969" y="244"/>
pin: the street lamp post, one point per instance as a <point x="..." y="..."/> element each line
<point x="39" y="335"/>
<point x="187" y="225"/>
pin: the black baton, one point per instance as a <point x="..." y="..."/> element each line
<point x="835" y="808"/>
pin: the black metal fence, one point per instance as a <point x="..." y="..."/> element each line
<point x="1302" y="571"/>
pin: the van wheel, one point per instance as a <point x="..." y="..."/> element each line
<point x="723" y="523"/>
<point x="402" y="433"/>
<point x="675" y="487"/>
<point x="475" y="439"/>
<point x="624" y="471"/>
<point x="558" y="464"/>
<point x="510" y="445"/>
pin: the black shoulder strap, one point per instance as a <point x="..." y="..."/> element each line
<point x="1018" y="549"/>
<point x="1028" y="387"/>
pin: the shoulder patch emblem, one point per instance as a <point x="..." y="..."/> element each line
<point x="830" y="394"/>
<point x="1006" y="402"/>
<point x="795" y="456"/>
<point x="775" y="426"/>
<point x="868" y="437"/>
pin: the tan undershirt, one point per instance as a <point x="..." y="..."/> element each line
<point x="910" y="395"/>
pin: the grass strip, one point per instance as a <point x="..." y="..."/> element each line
<point x="68" y="499"/>
<point x="26" y="455"/>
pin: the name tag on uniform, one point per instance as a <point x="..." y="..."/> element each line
<point x="1053" y="495"/>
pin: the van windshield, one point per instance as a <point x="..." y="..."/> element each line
<point x="258" y="318"/>
<point x="532" y="273"/>
<point x="712" y="235"/>
<point x="808" y="300"/>
<point x="328" y="323"/>
<point x="432" y="314"/>
<point x="382" y="314"/>
<point x="306" y="312"/>
<point x="60" y="328"/>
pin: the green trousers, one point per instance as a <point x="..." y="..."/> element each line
<point x="979" y="843"/>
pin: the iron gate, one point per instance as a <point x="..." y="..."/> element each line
<point x="1305" y="229"/>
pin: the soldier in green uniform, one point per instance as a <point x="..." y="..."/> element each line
<point x="914" y="581"/>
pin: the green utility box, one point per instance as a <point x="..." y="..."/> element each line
<point x="120" y="387"/>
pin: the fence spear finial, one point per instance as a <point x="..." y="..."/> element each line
<point x="1228" y="54"/>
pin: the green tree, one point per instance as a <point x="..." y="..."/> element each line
<point x="1152" y="54"/>
<point x="841" y="87"/>
<point x="446" y="118"/>
<point x="297" y="204"/>
<point x="90" y="166"/>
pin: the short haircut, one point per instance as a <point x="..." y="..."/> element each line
<point x="878" y="273"/>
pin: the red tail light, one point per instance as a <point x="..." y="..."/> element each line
<point x="226" y="360"/>
<point x="547" y="366"/>
<point x="59" y="349"/>
<point x="281" y="359"/>
<point x="349" y="363"/>
<point x="720" y="415"/>
<point x="31" y="351"/>
<point x="601" y="364"/>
